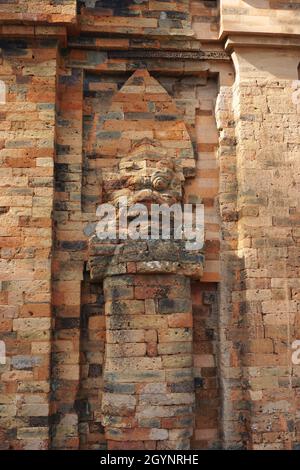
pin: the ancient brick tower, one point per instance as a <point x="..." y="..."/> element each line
<point x="145" y="345"/>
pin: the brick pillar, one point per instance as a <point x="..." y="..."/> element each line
<point x="27" y="152"/>
<point x="257" y="341"/>
<point x="148" y="377"/>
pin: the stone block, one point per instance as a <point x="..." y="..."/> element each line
<point x="135" y="363"/>
<point x="177" y="361"/>
<point x="25" y="362"/>
<point x="175" y="334"/>
<point x="126" y="350"/>
<point x="167" y="399"/>
<point x="125" y="307"/>
<point x="162" y="411"/>
<point x="175" y="348"/>
<point x="174" y="306"/>
<point x="126" y="336"/>
<point x="35" y="409"/>
<point x="118" y="405"/>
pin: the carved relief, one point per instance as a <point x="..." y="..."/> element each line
<point x="146" y="175"/>
<point x="152" y="171"/>
<point x="146" y="281"/>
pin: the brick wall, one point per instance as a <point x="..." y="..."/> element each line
<point x="68" y="262"/>
<point x="245" y="310"/>
<point x="205" y="18"/>
<point x="261" y="208"/>
<point x="262" y="16"/>
<point x="268" y="244"/>
<point x="207" y="431"/>
<point x="147" y="17"/>
<point x="27" y="180"/>
<point x="92" y="348"/>
<point x="50" y="11"/>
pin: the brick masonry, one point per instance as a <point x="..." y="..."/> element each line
<point x="230" y="381"/>
<point x="148" y="398"/>
<point x="27" y="181"/>
<point x="259" y="313"/>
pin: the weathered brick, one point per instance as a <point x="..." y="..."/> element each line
<point x="174" y="306"/>
<point x="75" y="106"/>
<point x="120" y="405"/>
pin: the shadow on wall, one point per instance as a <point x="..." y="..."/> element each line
<point x="118" y="6"/>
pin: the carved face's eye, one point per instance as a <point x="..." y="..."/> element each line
<point x="159" y="182"/>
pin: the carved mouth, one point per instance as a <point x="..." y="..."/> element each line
<point x="148" y="196"/>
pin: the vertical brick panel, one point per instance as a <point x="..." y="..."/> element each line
<point x="27" y="180"/>
<point x="68" y="265"/>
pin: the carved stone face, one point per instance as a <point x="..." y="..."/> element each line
<point x="146" y="176"/>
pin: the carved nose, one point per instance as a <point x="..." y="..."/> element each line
<point x="159" y="182"/>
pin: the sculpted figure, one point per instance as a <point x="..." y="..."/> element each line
<point x="146" y="280"/>
<point x="146" y="175"/>
<point x="142" y="179"/>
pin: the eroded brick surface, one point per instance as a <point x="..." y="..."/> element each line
<point x="143" y="359"/>
<point x="27" y="183"/>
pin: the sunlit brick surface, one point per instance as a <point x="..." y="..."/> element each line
<point x="134" y="353"/>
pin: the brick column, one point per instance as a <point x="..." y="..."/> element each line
<point x="148" y="377"/>
<point x="28" y="70"/>
<point x="262" y="258"/>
